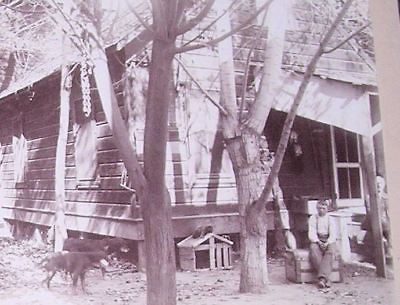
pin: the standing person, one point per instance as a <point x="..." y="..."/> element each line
<point x="322" y="234"/>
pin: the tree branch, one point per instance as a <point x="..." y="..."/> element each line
<point x="220" y="108"/>
<point x="347" y="39"/>
<point x="141" y="20"/>
<point x="233" y="31"/>
<point x="210" y="24"/>
<point x="22" y="11"/>
<point x="179" y="10"/>
<point x="67" y="19"/>
<point x="78" y="43"/>
<point x="287" y="127"/>
<point x="247" y="67"/>
<point x="190" y="24"/>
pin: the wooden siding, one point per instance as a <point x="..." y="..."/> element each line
<point x="210" y="199"/>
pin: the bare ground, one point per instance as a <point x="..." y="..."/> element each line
<point x="20" y="284"/>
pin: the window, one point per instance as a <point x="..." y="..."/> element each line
<point x="347" y="168"/>
<point x="20" y="152"/>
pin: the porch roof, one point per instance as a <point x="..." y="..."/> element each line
<point x="327" y="101"/>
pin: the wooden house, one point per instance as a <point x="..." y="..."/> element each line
<point x="335" y="117"/>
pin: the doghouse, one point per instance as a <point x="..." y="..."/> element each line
<point x="208" y="251"/>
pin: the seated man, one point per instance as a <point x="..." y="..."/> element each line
<point x="322" y="234"/>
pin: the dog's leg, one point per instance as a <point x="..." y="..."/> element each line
<point x="49" y="278"/>
<point x="82" y="276"/>
<point x="75" y="277"/>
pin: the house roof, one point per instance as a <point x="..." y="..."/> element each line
<point x="190" y="242"/>
<point x="23" y="65"/>
<point x="352" y="62"/>
<point x="24" y="61"/>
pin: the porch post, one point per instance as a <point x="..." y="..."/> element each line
<point x="375" y="217"/>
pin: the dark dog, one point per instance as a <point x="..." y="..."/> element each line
<point x="74" y="263"/>
<point x="116" y="245"/>
<point x="108" y="245"/>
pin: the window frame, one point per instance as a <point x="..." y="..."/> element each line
<point x="346" y="202"/>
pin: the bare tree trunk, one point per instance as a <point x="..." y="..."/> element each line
<point x="375" y="214"/>
<point x="243" y="148"/>
<point x="250" y="179"/>
<point x="156" y="208"/>
<point x="277" y="21"/>
<point x="151" y="190"/>
<point x="153" y="196"/>
<point x="60" y="230"/>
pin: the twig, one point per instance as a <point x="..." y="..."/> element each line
<point x="187" y="26"/>
<point x="220" y="108"/>
<point x="211" y="24"/>
<point x="347" y="39"/>
<point x="247" y="67"/>
<point x="233" y="31"/>
<point x="141" y="20"/>
<point x="22" y="11"/>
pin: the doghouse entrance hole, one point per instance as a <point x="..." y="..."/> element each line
<point x="202" y="259"/>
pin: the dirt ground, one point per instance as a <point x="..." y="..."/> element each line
<point x="20" y="284"/>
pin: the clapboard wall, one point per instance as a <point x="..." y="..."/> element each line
<point x="203" y="200"/>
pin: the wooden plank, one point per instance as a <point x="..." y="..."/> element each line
<point x="225" y="256"/>
<point x="188" y="209"/>
<point x="48" y="152"/>
<point x="44" y="132"/>
<point x="100" y="219"/>
<point x="187" y="259"/>
<point x="213" y="194"/>
<point x="218" y="250"/>
<point x="375" y="213"/>
<point x="203" y="247"/>
<point x="105" y="143"/>
<point x="42" y="184"/>
<point x="103" y="130"/>
<point x="212" y="253"/>
<point x="108" y="156"/>
<point x="94" y="196"/>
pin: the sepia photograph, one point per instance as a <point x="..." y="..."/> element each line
<point x="209" y="152"/>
